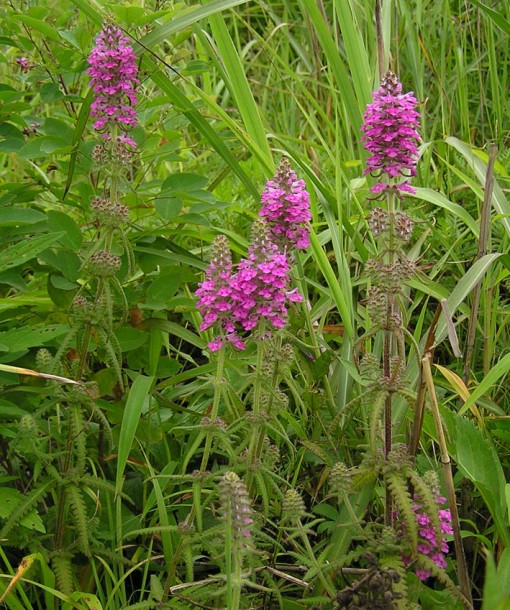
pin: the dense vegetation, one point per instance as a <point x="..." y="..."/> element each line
<point x="341" y="441"/>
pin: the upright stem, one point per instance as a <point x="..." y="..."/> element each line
<point x="258" y="434"/>
<point x="218" y="382"/>
<point x="380" y="41"/>
<point x="462" y="570"/>
<point x="482" y="249"/>
<point x="387" y="350"/>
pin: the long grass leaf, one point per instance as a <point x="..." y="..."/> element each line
<point x="238" y="84"/>
<point x="189" y="18"/>
<point x="134" y="405"/>
<point x="500" y="369"/>
<point x="499" y="201"/>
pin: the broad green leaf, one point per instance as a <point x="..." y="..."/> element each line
<point x="184" y="182"/>
<point x="11" y="216"/>
<point x="168" y="207"/>
<point x="479" y="462"/>
<point x="130" y="338"/>
<point x="496" y="589"/>
<point x="59" y="221"/>
<point x="24" y="337"/>
<point x="38" y="25"/>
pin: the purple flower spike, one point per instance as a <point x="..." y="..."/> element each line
<point x="215" y="296"/>
<point x="286" y="209"/>
<point x="390" y="135"/>
<point x="261" y="284"/>
<point x="113" y="73"/>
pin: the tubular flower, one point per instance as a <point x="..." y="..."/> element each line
<point x="113" y="73"/>
<point x="428" y="544"/>
<point x="260" y="286"/>
<point x="286" y="208"/>
<point x="215" y="301"/>
<point x="390" y="135"/>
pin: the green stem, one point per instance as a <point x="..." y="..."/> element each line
<point x="218" y="383"/>
<point x="257" y="438"/>
<point x="387" y="349"/>
<point x="327" y="585"/>
<point x="314" y="344"/>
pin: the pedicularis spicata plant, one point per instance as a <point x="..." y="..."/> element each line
<point x="232" y="395"/>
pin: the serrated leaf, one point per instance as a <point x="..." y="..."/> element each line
<point x="21" y="253"/>
<point x="23" y="338"/>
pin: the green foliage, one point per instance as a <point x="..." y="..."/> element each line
<point x="114" y="483"/>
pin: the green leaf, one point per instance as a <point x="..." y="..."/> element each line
<point x="25" y="337"/>
<point x="478" y="461"/>
<point x="499" y="201"/>
<point x="10" y="500"/>
<point x="21" y="253"/>
<point x="236" y="81"/>
<point x="130" y="338"/>
<point x="496" y="17"/>
<point x="138" y="395"/>
<point x="72" y="236"/>
<point x="163" y="288"/>
<point x="10" y="216"/>
<point x="496" y="589"/>
<point x="499" y="370"/>
<point x="182" y="22"/>
<point x="441" y="201"/>
<point x="184" y="182"/>
<point x="128" y="13"/>
<point x="168" y="207"/>
<point x="42" y="27"/>
<point x="50" y="92"/>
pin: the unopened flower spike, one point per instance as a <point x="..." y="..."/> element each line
<point x="390" y="135"/>
<point x="114" y="73"/>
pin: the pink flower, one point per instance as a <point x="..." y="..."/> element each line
<point x="286" y="209"/>
<point x="113" y="73"/>
<point x="261" y="284"/>
<point x="258" y="291"/>
<point x="215" y="296"/>
<point x="428" y="543"/>
<point x="390" y="135"/>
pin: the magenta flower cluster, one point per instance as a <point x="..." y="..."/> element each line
<point x="428" y="543"/>
<point x="258" y="291"/>
<point x="215" y="301"/>
<point x="261" y="284"/>
<point x="390" y="135"/>
<point x="286" y="208"/>
<point x="113" y="73"/>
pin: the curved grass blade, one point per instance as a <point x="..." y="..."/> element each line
<point x="499" y="201"/>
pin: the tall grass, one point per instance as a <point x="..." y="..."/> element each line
<point x="231" y="87"/>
